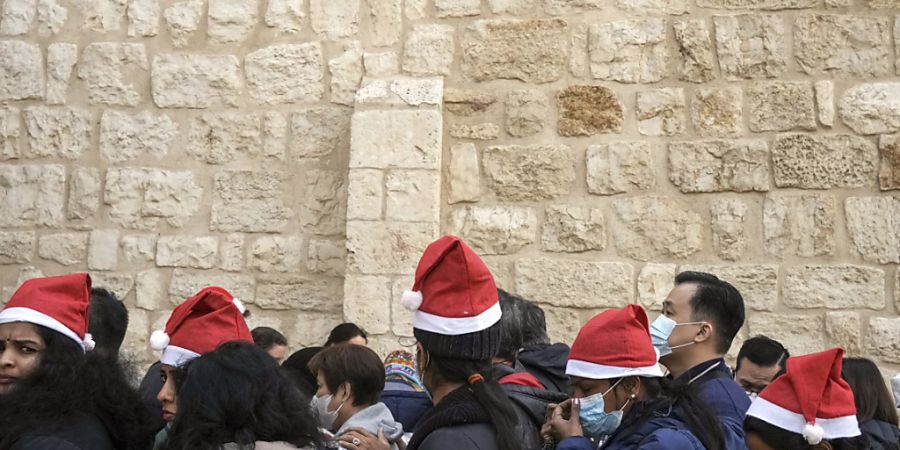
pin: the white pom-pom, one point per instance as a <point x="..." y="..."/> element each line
<point x="240" y="305"/>
<point x="813" y="433"/>
<point x="411" y="300"/>
<point x="88" y="342"/>
<point x="159" y="340"/>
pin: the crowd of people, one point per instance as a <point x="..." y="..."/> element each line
<point x="479" y="373"/>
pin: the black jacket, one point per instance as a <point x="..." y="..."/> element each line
<point x="80" y="433"/>
<point x="881" y="435"/>
<point x="458" y="422"/>
<point x="548" y="364"/>
<point x="530" y="404"/>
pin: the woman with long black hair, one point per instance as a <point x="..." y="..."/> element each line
<point x="56" y="394"/>
<point x="875" y="409"/>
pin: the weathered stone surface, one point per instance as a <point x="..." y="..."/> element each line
<point x="697" y="61"/>
<point x="182" y="20"/>
<point x="276" y="254"/>
<point x="285" y="15"/>
<point x="872" y="108"/>
<point x="589" y="110"/>
<point x="61" y="59"/>
<point x="573" y="229"/>
<point x="218" y="138"/>
<point x="889" y="174"/>
<point x="298" y="294"/>
<point x="64" y="248"/>
<point x="125" y="137"/>
<point x="17" y="16"/>
<point x="660" y="112"/>
<point x="51" y="17"/>
<point x="467" y="103"/>
<point x="843" y="45"/>
<point x="843" y="328"/>
<point x="526" y="112"/>
<point x="84" y="193"/>
<point x="195" y="81"/>
<point x="285" y="73"/>
<point x="428" y="50"/>
<point x="401" y="91"/>
<point x="629" y="51"/>
<point x="654" y="283"/>
<point x="10" y="132"/>
<point x="479" y="132"/>
<point x="103" y="250"/>
<point x="149" y="290"/>
<point x="717" y="166"/>
<point x="757" y="4"/>
<point x="230" y="21"/>
<point x="309" y="332"/>
<point x="140" y="197"/>
<point x="386" y="21"/>
<point x="119" y="284"/>
<point x="578" y="49"/>
<point x="250" y="201"/>
<point x="656" y="227"/>
<point x="346" y="74"/>
<point x="758" y="284"/>
<point x="729" y="235"/>
<point x="32" y="195"/>
<point x="514" y="7"/>
<point x="368" y="300"/>
<point x="415" y="9"/>
<point x="187" y="283"/>
<point x="57" y="132"/>
<point x="824" y="161"/>
<point x="334" y="19"/>
<point x="324" y="209"/>
<point x="825" y="102"/>
<point x="381" y="64"/>
<point x="873" y="224"/>
<point x="274" y="135"/>
<point x="533" y="51"/>
<point x="834" y="287"/>
<point x="620" y="167"/>
<point x="109" y="68"/>
<point x="781" y="106"/>
<point x="498" y="230"/>
<point x="319" y="132"/>
<point x="199" y="252"/>
<point x="884" y="338"/>
<point x="326" y="257"/>
<point x="464" y="181"/>
<point x="231" y="252"/>
<point x="16" y="247"/>
<point x="386" y="247"/>
<point x="801" y="334"/>
<point x="401" y="139"/>
<point x="365" y="194"/>
<point x="529" y="172"/>
<point x="751" y="45"/>
<point x="138" y="248"/>
<point x="563" y="7"/>
<point x="718" y="112"/>
<point x="801" y="225"/>
<point x="578" y="284"/>
<point x="102" y="16"/>
<point x="412" y="195"/>
<point x="653" y="7"/>
<point x="457" y="8"/>
<point x="143" y="17"/>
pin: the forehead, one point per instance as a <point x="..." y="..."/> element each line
<point x="20" y="331"/>
<point x="753" y="372"/>
<point x="680" y="296"/>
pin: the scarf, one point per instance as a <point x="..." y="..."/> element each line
<point x="459" y="407"/>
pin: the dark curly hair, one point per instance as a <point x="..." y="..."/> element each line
<point x="238" y="394"/>
<point x="68" y="383"/>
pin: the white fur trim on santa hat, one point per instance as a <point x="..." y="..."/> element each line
<point x="88" y="342"/>
<point x="159" y="340"/>
<point x="29" y="315"/>
<point x="836" y="428"/>
<point x="176" y="356"/>
<point x="240" y="305"/>
<point x="813" y="433"/>
<point x="595" y="371"/>
<point x="411" y="300"/>
<point x="455" y="326"/>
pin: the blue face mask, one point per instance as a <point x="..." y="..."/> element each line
<point x="595" y="421"/>
<point x="660" y="331"/>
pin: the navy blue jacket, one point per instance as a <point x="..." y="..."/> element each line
<point x="665" y="430"/>
<point x="725" y="398"/>
<point x="881" y="435"/>
<point x="407" y="406"/>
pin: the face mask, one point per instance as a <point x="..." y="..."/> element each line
<point x="595" y="421"/>
<point x="660" y="331"/>
<point x="320" y="406"/>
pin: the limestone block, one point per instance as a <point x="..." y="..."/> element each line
<point x="230" y="21"/>
<point x="195" y="81"/>
<point x="770" y="5"/>
<point x="620" y="167"/>
<point x="102" y="16"/>
<point x="889" y="174"/>
<point x="10" y="132"/>
<point x="897" y="41"/>
<point x="718" y="112"/>
<point x="109" y="68"/>
<point x="140" y="197"/>
<point x="103" y="250"/>
<point x="324" y="209"/>
<point x="834" y="287"/>
<point x="717" y="166"/>
<point x="285" y="15"/>
<point x="843" y="328"/>
<point x="318" y="132"/>
<point x="378" y="248"/>
<point x="751" y="45"/>
<point x="84" y="193"/>
<point x="872" y="108"/>
<point x="250" y="201"/>
<point x="16" y="247"/>
<point x="368" y="302"/>
<point x="801" y="334"/>
<point x="494" y="230"/>
<point x="478" y="132"/>
<point x="17" y="16"/>
<point x="825" y="102"/>
<point x="589" y="110"/>
<point x="563" y="7"/>
<point x="231" y="252"/>
<point x="381" y="64"/>
<point x="219" y="138"/>
<point x="428" y="50"/>
<point x="464" y="181"/>
<point x="143" y="17"/>
<point x="401" y="91"/>
<point x="466" y="103"/>
<point x="781" y="106"/>
<point x="873" y="224"/>
<point x="578" y="284"/>
<point x="187" y="283"/>
<point x="64" y="248"/>
<point x="526" y="112"/>
<point x="656" y="227"/>
<point x="313" y="329"/>
<point x="660" y="112"/>
<point x="365" y="194"/>
<point x="533" y="51"/>
<point x="629" y="51"/>
<point x="729" y="229"/>
<point x="578" y="56"/>
<point x="61" y="57"/>
<point x="653" y="7"/>
<point x="32" y="195"/>
<point x="529" y="172"/>
<point x="346" y="74"/>
<point x="400" y="139"/>
<point x="119" y="284"/>
<point x="801" y="225"/>
<point x="199" y="252"/>
<point x="138" y="248"/>
<point x="386" y="21"/>
<point x="415" y="9"/>
<point x="285" y="73"/>
<point x="57" y="132"/>
<point x="843" y="45"/>
<point x="884" y="338"/>
<point x="125" y="137"/>
<point x="276" y="254"/>
<point x="274" y="134"/>
<point x="824" y="161"/>
<point x="457" y="8"/>
<point x="514" y="7"/>
<point x="334" y="19"/>
<point x="563" y="324"/>
<point x="401" y="318"/>
<point x="296" y="293"/>
<point x="326" y="257"/>
<point x="897" y="288"/>
<point x="412" y="195"/>
<point x="697" y="62"/>
<point x="573" y="229"/>
<point x="149" y="290"/>
<point x="182" y="20"/>
<point x="654" y="283"/>
<point x="758" y="284"/>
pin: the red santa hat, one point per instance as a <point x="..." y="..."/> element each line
<point x="199" y="325"/>
<point x="810" y="399"/>
<point x="58" y="303"/>
<point x="614" y="344"/>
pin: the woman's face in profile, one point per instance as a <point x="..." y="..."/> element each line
<point x="20" y="350"/>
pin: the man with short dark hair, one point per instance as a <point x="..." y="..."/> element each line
<point x="272" y="341"/>
<point x="700" y="318"/>
<point x="760" y="361"/>
<point x="107" y="322"/>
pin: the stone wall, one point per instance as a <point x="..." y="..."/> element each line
<point x="303" y="152"/>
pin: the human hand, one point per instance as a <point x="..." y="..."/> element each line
<point x="563" y="420"/>
<point x="360" y="439"/>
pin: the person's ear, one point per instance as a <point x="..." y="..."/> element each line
<point x="705" y="333"/>
<point x="348" y="391"/>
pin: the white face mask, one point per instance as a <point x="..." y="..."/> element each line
<point x="660" y="331"/>
<point x="320" y="406"/>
